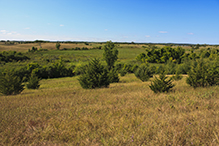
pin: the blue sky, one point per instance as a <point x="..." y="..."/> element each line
<point x="156" y="21"/>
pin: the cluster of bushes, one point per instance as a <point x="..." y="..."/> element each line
<point x="34" y="49"/>
<point x="54" y="70"/>
<point x="203" y="74"/>
<point x="83" y="48"/>
<point x="176" y="55"/>
<point x="11" y="84"/>
<point x="162" y="55"/>
<point x="76" y="48"/>
<point x="95" y="75"/>
<point x="10" y="56"/>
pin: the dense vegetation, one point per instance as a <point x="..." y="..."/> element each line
<point x="10" y="56"/>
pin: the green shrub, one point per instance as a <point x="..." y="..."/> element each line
<point x="113" y="76"/>
<point x="33" y="82"/>
<point x="123" y="72"/>
<point x="58" y="45"/>
<point x="161" y="84"/>
<point x="177" y="77"/>
<point x="94" y="76"/>
<point x="144" y="73"/>
<point x="10" y="84"/>
<point x="203" y="75"/>
<point x="110" y="54"/>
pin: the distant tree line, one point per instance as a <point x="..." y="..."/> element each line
<point x="177" y="55"/>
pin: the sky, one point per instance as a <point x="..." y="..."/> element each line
<point x="142" y="21"/>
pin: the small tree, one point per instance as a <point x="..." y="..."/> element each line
<point x="58" y="45"/>
<point x="161" y="84"/>
<point x="94" y="75"/>
<point x="113" y="76"/>
<point x="10" y="84"/>
<point x="177" y="76"/>
<point x="33" y="82"/>
<point x="203" y="75"/>
<point x="110" y="54"/>
<point x="144" y="73"/>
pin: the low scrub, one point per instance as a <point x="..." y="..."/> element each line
<point x="144" y="73"/>
<point x="10" y="83"/>
<point x="33" y="82"/>
<point x="204" y="74"/>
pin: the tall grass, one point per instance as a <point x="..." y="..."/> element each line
<point x="126" y="113"/>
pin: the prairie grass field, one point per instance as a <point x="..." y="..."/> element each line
<point x="126" y="113"/>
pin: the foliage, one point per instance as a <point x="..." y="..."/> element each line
<point x="94" y="76"/>
<point x="162" y="55"/>
<point x="144" y="73"/>
<point x="113" y="76"/>
<point x="33" y="49"/>
<point x="33" y="82"/>
<point x="58" y="45"/>
<point x="161" y="84"/>
<point x="10" y="84"/>
<point x="123" y="72"/>
<point x="110" y="54"/>
<point x="203" y="75"/>
<point x="10" y="56"/>
<point x="177" y="76"/>
<point x="170" y="67"/>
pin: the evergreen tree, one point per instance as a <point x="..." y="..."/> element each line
<point x="94" y="75"/>
<point x="10" y="84"/>
<point x="58" y="45"/>
<point x="33" y="82"/>
<point x="161" y="84"/>
<point x="110" y="54"/>
<point x="198" y="75"/>
<point x="203" y="75"/>
<point x="144" y="73"/>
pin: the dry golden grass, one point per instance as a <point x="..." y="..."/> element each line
<point x="126" y="113"/>
<point x="49" y="46"/>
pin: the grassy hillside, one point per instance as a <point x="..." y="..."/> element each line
<point x="61" y="112"/>
<point x="126" y="113"/>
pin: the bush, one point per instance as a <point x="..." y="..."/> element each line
<point x="161" y="84"/>
<point x="10" y="84"/>
<point x="94" y="76"/>
<point x="123" y="72"/>
<point x="58" y="45"/>
<point x="110" y="54"/>
<point x="203" y="75"/>
<point x="143" y="73"/>
<point x="33" y="82"/>
<point x="113" y="76"/>
<point x="177" y="77"/>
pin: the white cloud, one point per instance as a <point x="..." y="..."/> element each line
<point x="3" y="31"/>
<point x="27" y="28"/>
<point x="147" y="36"/>
<point x="105" y="29"/>
<point x="61" y="25"/>
<point x="190" y="33"/>
<point x="6" y="33"/>
<point x="163" y="32"/>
